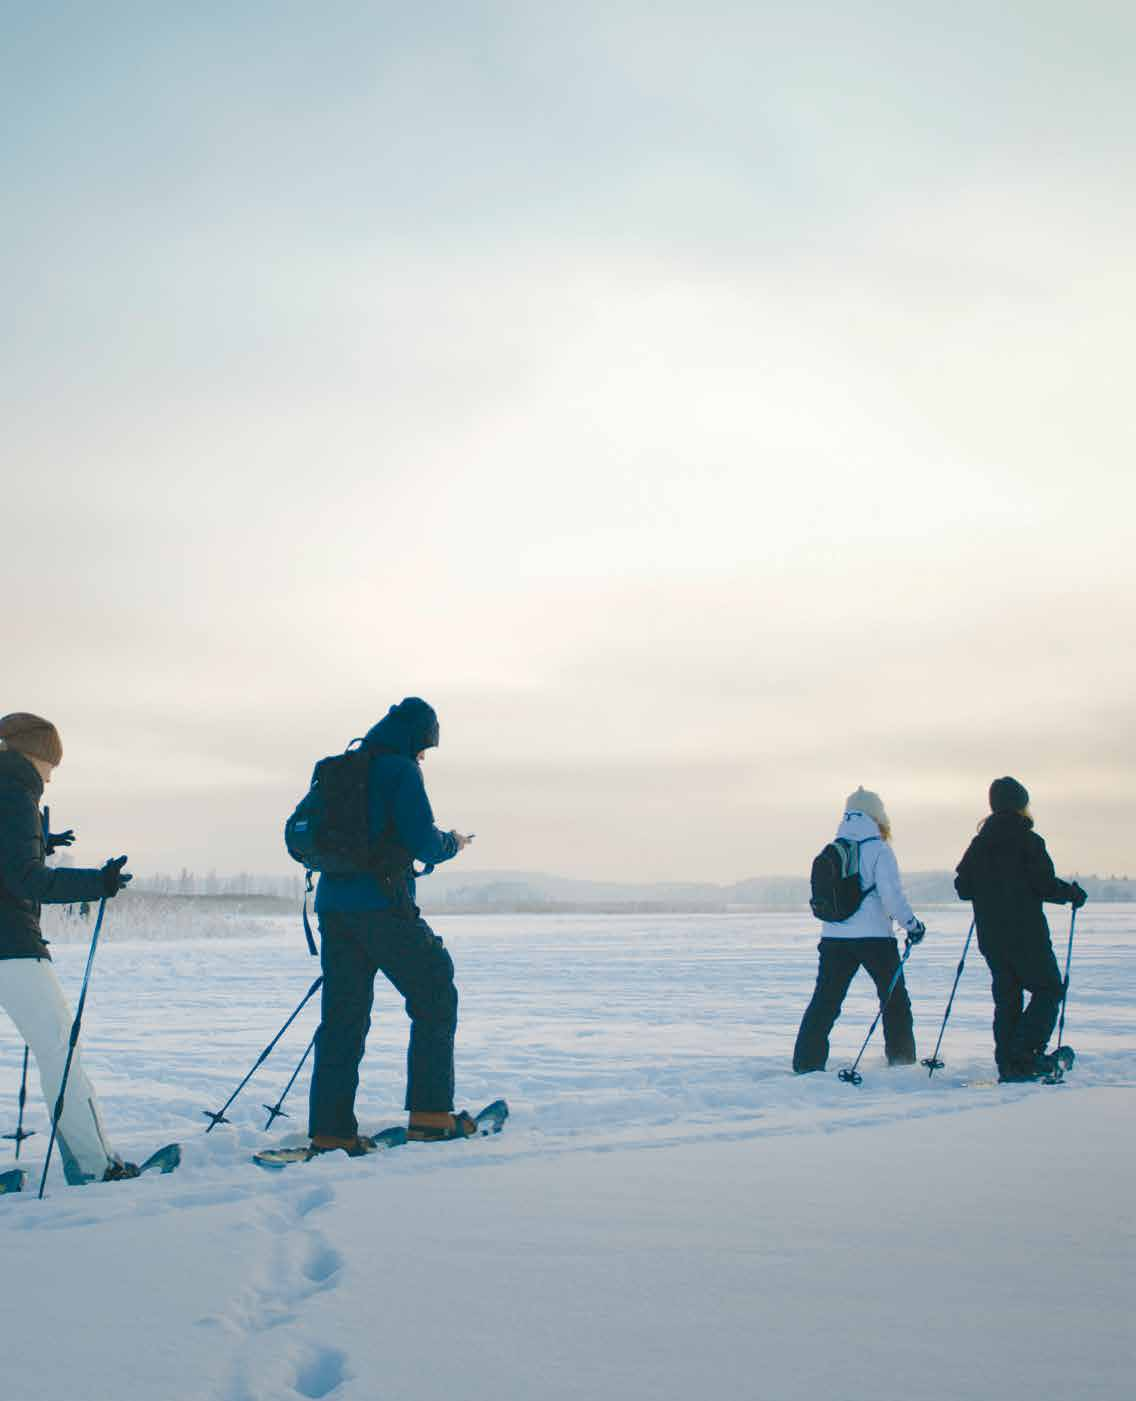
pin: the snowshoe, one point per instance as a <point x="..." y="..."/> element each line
<point x="12" y="1181"/>
<point x="1061" y="1061"/>
<point x="444" y="1128"/>
<point x="164" y="1160"/>
<point x="492" y="1118"/>
<point x="275" y="1158"/>
<point x="1048" y="1069"/>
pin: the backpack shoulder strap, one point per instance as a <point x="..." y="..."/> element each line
<point x="849" y="852"/>
<point x="864" y="842"/>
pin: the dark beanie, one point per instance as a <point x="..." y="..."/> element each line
<point x="1008" y="795"/>
<point x="32" y="737"/>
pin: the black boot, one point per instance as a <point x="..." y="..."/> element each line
<point x="1030" y="1067"/>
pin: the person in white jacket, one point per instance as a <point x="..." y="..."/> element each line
<point x="865" y="940"/>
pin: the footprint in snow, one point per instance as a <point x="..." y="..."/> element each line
<point x="321" y="1373"/>
<point x="322" y="1264"/>
<point x="313" y="1200"/>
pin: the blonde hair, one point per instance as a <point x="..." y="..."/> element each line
<point x="885" y="830"/>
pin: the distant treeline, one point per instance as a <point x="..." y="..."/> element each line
<point x="519" y="892"/>
<point x="286" y="887"/>
<point x="450" y="890"/>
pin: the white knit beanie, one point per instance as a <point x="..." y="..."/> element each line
<point x="869" y="803"/>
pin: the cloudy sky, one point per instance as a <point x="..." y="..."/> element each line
<point x="708" y="407"/>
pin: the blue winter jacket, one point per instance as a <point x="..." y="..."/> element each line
<point x="396" y="794"/>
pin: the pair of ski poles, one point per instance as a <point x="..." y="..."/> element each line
<point x="275" y="1111"/>
<point x="1064" y="1054"/>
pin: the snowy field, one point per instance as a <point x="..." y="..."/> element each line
<point x="669" y="1213"/>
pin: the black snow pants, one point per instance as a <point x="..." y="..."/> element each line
<point x="355" y="947"/>
<point x="1018" y="967"/>
<point x="840" y="959"/>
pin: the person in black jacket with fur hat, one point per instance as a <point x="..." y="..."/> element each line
<point x="30" y="751"/>
<point x="1007" y="873"/>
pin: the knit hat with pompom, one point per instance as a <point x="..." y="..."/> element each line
<point x="865" y="801"/>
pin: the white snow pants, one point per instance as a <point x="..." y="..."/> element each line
<point x="31" y="995"/>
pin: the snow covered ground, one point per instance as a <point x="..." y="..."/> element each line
<point x="669" y="1212"/>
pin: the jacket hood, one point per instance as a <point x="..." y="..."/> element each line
<point x="858" y="827"/>
<point x="14" y="768"/>
<point x="406" y="728"/>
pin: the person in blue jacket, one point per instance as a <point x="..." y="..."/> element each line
<point x="370" y="925"/>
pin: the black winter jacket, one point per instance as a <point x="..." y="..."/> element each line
<point x="25" y="881"/>
<point x="1007" y="873"/>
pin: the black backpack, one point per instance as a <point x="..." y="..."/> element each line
<point x="328" y="831"/>
<point x="835" y="881"/>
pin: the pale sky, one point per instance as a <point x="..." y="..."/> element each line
<point x="708" y="407"/>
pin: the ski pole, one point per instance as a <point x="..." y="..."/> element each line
<point x="20" y="1135"/>
<point x="277" y="1110"/>
<point x="57" y="1112"/>
<point x="933" y="1062"/>
<point x="1065" y="1056"/>
<point x="219" y="1116"/>
<point x="850" y="1075"/>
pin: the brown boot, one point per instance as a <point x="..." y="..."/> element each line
<point x="118" y="1171"/>
<point x="428" y="1126"/>
<point x="328" y="1143"/>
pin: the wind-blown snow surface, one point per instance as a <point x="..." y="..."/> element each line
<point x="669" y="1213"/>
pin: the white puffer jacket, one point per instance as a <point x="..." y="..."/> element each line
<point x="878" y="867"/>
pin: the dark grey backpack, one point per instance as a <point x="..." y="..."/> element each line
<point x="835" y="881"/>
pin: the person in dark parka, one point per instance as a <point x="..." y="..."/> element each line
<point x="367" y="927"/>
<point x="30" y="751"/>
<point x="1007" y="873"/>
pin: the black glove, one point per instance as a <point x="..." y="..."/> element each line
<point x="114" y="877"/>
<point x="1078" y="897"/>
<point x="915" y="931"/>
<point x="58" y="839"/>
